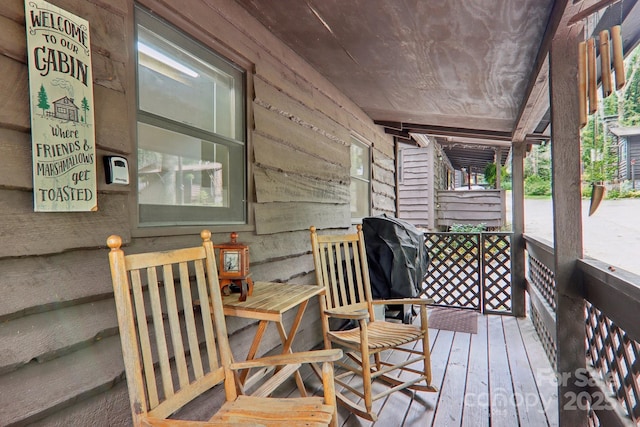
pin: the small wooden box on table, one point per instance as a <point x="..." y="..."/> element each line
<point x="268" y="303"/>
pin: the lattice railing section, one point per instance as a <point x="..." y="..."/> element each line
<point x="453" y="277"/>
<point x="470" y="270"/>
<point x="496" y="269"/>
<point x="548" y="343"/>
<point x="616" y="357"/>
<point x="543" y="279"/>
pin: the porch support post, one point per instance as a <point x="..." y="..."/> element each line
<point x="498" y="161"/>
<point x="567" y="224"/>
<point x="518" y="283"/>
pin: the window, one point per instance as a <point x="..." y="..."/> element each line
<point x="360" y="179"/>
<point x="191" y="131"/>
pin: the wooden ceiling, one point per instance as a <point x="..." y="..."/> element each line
<point x="457" y="70"/>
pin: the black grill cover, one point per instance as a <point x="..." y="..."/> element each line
<point x="397" y="256"/>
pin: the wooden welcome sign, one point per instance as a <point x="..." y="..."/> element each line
<point x="61" y="95"/>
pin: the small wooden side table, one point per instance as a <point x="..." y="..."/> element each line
<point x="268" y="303"/>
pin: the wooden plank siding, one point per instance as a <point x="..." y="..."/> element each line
<point x="414" y="203"/>
<point x="471" y="207"/>
<point x="627" y="171"/>
<point x="424" y="173"/>
<point x="60" y="357"/>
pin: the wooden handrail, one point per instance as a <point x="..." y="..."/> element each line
<point x="541" y="249"/>
<point x="613" y="291"/>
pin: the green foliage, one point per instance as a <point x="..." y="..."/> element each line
<point x="535" y="185"/>
<point x="610" y="104"/>
<point x="599" y="157"/>
<point x="490" y="176"/>
<point x="615" y="193"/>
<point x="468" y="228"/>
<point x="622" y="191"/>
<point x="631" y="108"/>
<point x="538" y="162"/>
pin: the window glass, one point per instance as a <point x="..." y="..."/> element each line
<point x="195" y="174"/>
<point x="360" y="179"/>
<point x="191" y="132"/>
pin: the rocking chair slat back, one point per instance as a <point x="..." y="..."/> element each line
<point x="175" y="350"/>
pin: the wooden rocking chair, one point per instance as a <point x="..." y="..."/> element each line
<point x="341" y="267"/>
<point x="175" y="350"/>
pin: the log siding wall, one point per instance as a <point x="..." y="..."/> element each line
<point x="60" y="357"/>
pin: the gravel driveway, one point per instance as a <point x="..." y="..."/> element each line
<point x="611" y="234"/>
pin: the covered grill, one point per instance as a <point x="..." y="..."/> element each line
<point x="397" y="256"/>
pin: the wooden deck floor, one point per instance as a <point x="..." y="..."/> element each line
<point x="497" y="377"/>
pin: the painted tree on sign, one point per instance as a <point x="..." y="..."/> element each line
<point x="85" y="107"/>
<point x="43" y="101"/>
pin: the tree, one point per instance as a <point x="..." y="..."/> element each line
<point x="628" y="96"/>
<point x="490" y="175"/>
<point x="611" y="105"/>
<point x="537" y="171"/>
<point x="43" y="101"/>
<point x="84" y="104"/>
<point x="538" y="162"/>
<point x="592" y="150"/>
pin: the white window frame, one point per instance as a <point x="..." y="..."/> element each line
<point x="357" y="142"/>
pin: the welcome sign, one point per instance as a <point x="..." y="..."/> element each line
<point x="62" y="123"/>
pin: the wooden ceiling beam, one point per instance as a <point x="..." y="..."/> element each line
<point x="590" y="10"/>
<point x="397" y="133"/>
<point x="444" y="131"/>
<point x="389" y="125"/>
<point x="535" y="85"/>
<point x="535" y="107"/>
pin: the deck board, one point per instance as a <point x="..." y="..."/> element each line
<point x="422" y="409"/>
<point x="476" y="408"/>
<point x="503" y="411"/>
<point x="542" y="370"/>
<point x="397" y="403"/>
<point x="452" y="393"/>
<point x="499" y="376"/>
<point x="530" y="409"/>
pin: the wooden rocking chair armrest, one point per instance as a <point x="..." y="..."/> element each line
<point x="314" y="356"/>
<point x="158" y="422"/>
<point x="348" y="314"/>
<point x="421" y="301"/>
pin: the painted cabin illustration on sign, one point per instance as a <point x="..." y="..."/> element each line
<point x="65" y="109"/>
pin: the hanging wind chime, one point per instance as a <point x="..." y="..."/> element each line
<point x="609" y="46"/>
<point x="587" y="70"/>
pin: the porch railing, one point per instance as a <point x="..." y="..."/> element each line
<point x="470" y="270"/>
<point x="612" y="331"/>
